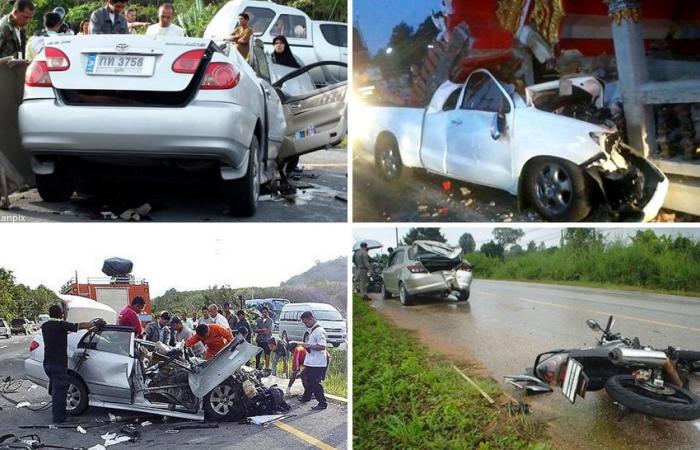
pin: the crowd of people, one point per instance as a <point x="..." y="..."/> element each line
<point x="115" y="18"/>
<point x="218" y="326"/>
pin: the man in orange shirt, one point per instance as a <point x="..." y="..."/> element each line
<point x="298" y="357"/>
<point x="213" y="336"/>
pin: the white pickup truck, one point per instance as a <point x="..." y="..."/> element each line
<point x="311" y="41"/>
<point x="556" y="149"/>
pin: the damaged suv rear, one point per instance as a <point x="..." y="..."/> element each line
<point x="631" y="186"/>
<point x="109" y="368"/>
<point x="426" y="268"/>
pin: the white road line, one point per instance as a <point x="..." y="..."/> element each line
<point x="4" y="346"/>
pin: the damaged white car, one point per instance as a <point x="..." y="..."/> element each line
<point x="109" y="368"/>
<point x="555" y="149"/>
<point x="426" y="268"/>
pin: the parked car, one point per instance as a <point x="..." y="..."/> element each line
<point x="109" y="368"/>
<point x="5" y="329"/>
<point x="21" y="326"/>
<point x="155" y="106"/>
<point x="274" y="305"/>
<point x="42" y="318"/>
<point x="310" y="41"/>
<point x="291" y="327"/>
<point x="426" y="268"/>
<point x="556" y="149"/>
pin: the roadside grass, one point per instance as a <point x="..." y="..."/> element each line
<point x="336" y="382"/>
<point x="405" y="396"/>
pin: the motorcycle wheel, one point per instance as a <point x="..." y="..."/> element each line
<point x="679" y="405"/>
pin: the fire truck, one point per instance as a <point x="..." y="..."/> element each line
<point x="115" y="292"/>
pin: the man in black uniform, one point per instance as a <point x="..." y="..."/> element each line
<point x="55" y="333"/>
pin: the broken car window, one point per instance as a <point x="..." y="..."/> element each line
<point x="451" y="102"/>
<point x="260" y="18"/>
<point x="482" y="94"/>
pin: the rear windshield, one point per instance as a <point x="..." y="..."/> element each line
<point x="328" y="315"/>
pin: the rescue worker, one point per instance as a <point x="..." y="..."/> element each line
<point x="213" y="336"/>
<point x="12" y="36"/>
<point x="158" y="330"/>
<point x="55" y="333"/>
<point x="182" y="333"/>
<point x="316" y="362"/>
<point x="129" y="316"/>
<point x="362" y="267"/>
<point x="298" y="356"/>
<point x="278" y="349"/>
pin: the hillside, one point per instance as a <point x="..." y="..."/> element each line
<point x="326" y="282"/>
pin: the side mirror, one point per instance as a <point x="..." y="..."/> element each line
<point x="498" y="126"/>
<point x="593" y="325"/>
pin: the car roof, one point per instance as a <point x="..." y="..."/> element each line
<point x="309" y="305"/>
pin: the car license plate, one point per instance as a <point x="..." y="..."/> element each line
<point x="128" y="65"/>
<point x="575" y="381"/>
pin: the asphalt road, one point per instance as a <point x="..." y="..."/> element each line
<point x="323" y="179"/>
<point x="305" y="430"/>
<point x="505" y="325"/>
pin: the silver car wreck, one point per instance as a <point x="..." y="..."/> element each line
<point x="109" y="368"/>
<point x="426" y="268"/>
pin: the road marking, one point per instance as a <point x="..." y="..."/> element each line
<point x="595" y="311"/>
<point x="303" y="436"/>
<point x="4" y="346"/>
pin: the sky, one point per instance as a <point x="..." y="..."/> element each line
<point x="549" y="235"/>
<point x="377" y="18"/>
<point x="180" y="256"/>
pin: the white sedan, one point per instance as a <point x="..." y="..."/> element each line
<point x="154" y="105"/>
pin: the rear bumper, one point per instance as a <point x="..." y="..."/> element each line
<point x="438" y="282"/>
<point x="202" y="130"/>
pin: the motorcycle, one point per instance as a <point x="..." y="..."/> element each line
<point x="637" y="378"/>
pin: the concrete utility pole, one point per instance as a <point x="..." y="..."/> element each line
<point x="628" y="37"/>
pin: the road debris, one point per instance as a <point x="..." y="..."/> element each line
<point x="465" y="191"/>
<point x="447" y="185"/>
<point x="341" y="198"/>
<point x="481" y="391"/>
<point x="22" y="404"/>
<point x="81" y="429"/>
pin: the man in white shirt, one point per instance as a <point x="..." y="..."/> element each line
<point x="165" y="26"/>
<point x="216" y="317"/>
<point x="316" y="361"/>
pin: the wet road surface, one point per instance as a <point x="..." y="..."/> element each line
<point x="305" y="430"/>
<point x="505" y="325"/>
<point x="322" y="181"/>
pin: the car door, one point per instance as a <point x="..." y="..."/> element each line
<point x="315" y="117"/>
<point x="107" y="363"/>
<point x="435" y="132"/>
<point x="392" y="271"/>
<point x="331" y="44"/>
<point x="276" y="124"/>
<point x="472" y="153"/>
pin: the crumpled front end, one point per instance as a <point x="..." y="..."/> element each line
<point x="631" y="185"/>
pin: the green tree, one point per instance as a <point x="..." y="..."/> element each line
<point x="492" y="249"/>
<point x="531" y="247"/>
<point x="427" y="234"/>
<point x="466" y="241"/>
<point x="515" y="250"/>
<point x="507" y="236"/>
<point x="581" y="238"/>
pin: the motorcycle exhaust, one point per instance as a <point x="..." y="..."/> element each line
<point x="634" y="357"/>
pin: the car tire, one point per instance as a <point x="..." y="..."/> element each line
<point x="224" y="400"/>
<point x="306" y="337"/>
<point x="558" y="189"/>
<point x="405" y="298"/>
<point x="77" y="399"/>
<point x="244" y="193"/>
<point x="56" y="187"/>
<point x="463" y="295"/>
<point x="335" y="344"/>
<point x="385" y="294"/>
<point x="387" y="159"/>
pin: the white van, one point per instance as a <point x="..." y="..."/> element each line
<point x="310" y="41"/>
<point x="291" y="327"/>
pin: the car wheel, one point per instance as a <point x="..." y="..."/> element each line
<point x="463" y="295"/>
<point x="56" y="187"/>
<point x="336" y="344"/>
<point x="388" y="161"/>
<point x="385" y="294"/>
<point x="404" y="296"/>
<point x="245" y="192"/>
<point x="306" y="337"/>
<point x="77" y="396"/>
<point x="222" y="401"/>
<point x="558" y="190"/>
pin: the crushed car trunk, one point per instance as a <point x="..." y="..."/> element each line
<point x="437" y="257"/>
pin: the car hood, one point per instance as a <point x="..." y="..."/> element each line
<point x="226" y="362"/>
<point x="594" y="86"/>
<point x="439" y="248"/>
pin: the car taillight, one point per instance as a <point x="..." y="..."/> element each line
<point x="416" y="268"/>
<point x="220" y="76"/>
<point x="466" y="267"/>
<point x="56" y="60"/>
<point x="37" y="75"/>
<point x="188" y="61"/>
<point x="33" y="346"/>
